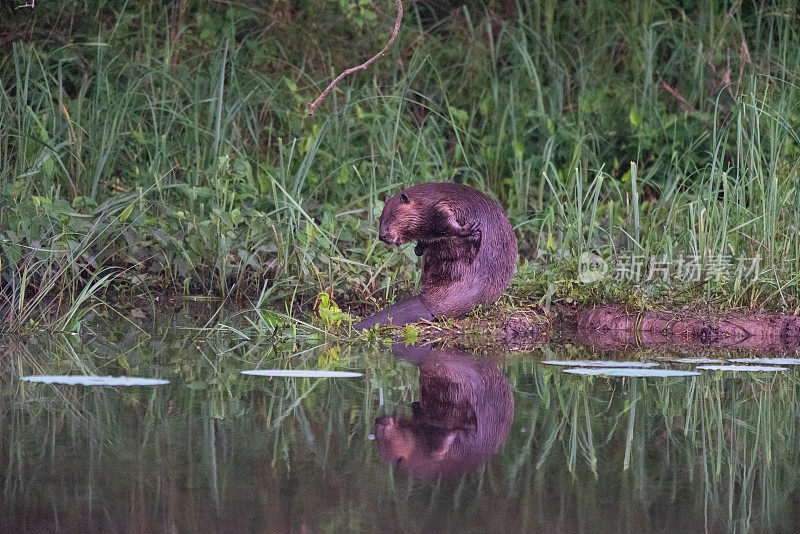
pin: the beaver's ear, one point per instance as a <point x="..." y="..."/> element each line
<point x="404" y="198"/>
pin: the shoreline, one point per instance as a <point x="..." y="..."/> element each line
<point x="614" y="327"/>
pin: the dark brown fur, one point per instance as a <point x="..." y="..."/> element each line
<point x="468" y="248"/>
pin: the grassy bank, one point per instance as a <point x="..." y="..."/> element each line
<point x="151" y="150"/>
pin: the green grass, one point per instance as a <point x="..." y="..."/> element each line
<point x="143" y="165"/>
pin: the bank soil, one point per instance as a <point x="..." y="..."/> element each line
<point x="617" y="328"/>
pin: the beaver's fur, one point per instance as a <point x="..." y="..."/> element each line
<point x="468" y="248"/>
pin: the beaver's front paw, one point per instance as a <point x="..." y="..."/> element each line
<point x="470" y="229"/>
<point x="419" y="250"/>
<point x="475" y="238"/>
<point x="472" y="232"/>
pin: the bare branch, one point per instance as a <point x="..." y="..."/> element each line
<point x="366" y="63"/>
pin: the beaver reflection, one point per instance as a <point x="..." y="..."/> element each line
<point x="463" y="416"/>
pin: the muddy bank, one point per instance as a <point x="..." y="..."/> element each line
<point x="616" y="328"/>
<point x="612" y="327"/>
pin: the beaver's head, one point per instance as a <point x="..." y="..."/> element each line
<point x="420" y="450"/>
<point x="401" y="219"/>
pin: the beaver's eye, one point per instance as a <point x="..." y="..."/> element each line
<point x="404" y="198"/>
<point x="399" y="462"/>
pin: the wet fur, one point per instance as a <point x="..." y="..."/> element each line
<point x="468" y="248"/>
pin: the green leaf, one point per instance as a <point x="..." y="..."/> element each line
<point x="410" y="334"/>
<point x="634" y="117"/>
<point x="123" y="361"/>
<point x="460" y="117"/>
<point x="551" y="243"/>
<point x="519" y="150"/>
<point x="126" y="212"/>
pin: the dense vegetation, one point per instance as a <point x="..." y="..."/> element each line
<point x="151" y="147"/>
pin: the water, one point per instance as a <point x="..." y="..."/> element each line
<point x="496" y="442"/>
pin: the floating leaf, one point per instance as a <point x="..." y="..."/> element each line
<point x="768" y="361"/>
<point x="744" y="368"/>
<point x="302" y="373"/>
<point x="598" y="363"/>
<point x="631" y="372"/>
<point x="93" y="380"/>
<point x="698" y="360"/>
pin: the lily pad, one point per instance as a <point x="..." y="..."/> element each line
<point x="742" y="368"/>
<point x="657" y="373"/>
<point x="302" y="373"/>
<point x="768" y="361"/>
<point x="598" y="363"/>
<point x="93" y="380"/>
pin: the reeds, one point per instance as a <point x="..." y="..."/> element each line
<point x="614" y="128"/>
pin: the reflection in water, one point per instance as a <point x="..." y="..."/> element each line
<point x="461" y="420"/>
<point x="215" y="451"/>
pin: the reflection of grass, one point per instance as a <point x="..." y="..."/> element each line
<point x="642" y="439"/>
<point x="205" y="432"/>
<point x="214" y="445"/>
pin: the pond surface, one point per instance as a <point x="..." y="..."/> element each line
<point x="428" y="439"/>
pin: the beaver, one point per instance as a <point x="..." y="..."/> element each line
<point x="468" y="249"/>
<point x="461" y="420"/>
